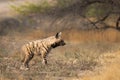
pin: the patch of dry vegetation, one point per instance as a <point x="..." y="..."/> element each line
<point x="70" y="61"/>
<point x="110" y="70"/>
<point x="73" y="35"/>
<point x="76" y="59"/>
<point x="107" y="35"/>
<point x="62" y="64"/>
<point x="15" y="41"/>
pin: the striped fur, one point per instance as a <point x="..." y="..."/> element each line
<point x="41" y="47"/>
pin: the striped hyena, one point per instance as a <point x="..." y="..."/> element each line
<point x="40" y="47"/>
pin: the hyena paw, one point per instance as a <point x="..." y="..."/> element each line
<point x="44" y="62"/>
<point x="24" y="68"/>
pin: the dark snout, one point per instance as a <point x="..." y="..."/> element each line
<point x="63" y="43"/>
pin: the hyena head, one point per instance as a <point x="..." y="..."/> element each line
<point x="59" y="41"/>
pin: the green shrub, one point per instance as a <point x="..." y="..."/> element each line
<point x="97" y="10"/>
<point x="32" y="8"/>
<point x="42" y="7"/>
<point x="64" y="3"/>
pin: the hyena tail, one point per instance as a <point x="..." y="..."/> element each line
<point x="22" y="54"/>
<point x="22" y="59"/>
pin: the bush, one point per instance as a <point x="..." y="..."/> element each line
<point x="32" y="8"/>
<point x="97" y="10"/>
<point x="42" y="7"/>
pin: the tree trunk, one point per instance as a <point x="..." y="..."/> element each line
<point x="117" y="23"/>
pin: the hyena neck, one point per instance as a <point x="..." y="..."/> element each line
<point x="52" y="42"/>
<point x="54" y="45"/>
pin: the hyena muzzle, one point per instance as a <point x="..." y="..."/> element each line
<point x="40" y="47"/>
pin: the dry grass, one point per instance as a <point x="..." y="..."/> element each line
<point x="69" y="62"/>
<point x="107" y="35"/>
<point x="79" y="57"/>
<point x="73" y="35"/>
<point x="62" y="64"/>
<point x="110" y="70"/>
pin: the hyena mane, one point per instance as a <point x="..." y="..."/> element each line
<point x="40" y="47"/>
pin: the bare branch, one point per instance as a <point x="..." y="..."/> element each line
<point x="117" y="23"/>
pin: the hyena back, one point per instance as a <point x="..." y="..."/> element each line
<point x="40" y="47"/>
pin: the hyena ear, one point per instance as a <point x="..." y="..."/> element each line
<point x="58" y="35"/>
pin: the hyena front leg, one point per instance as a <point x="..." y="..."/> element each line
<point x="27" y="60"/>
<point x="44" y="60"/>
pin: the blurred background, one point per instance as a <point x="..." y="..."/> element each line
<point x="79" y="20"/>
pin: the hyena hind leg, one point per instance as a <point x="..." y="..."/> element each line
<point x="27" y="60"/>
<point x="44" y="61"/>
